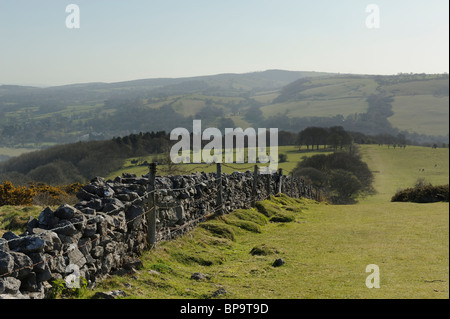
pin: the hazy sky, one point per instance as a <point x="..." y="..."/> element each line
<point x="135" y="39"/>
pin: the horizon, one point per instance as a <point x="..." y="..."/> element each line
<point x="120" y="42"/>
<point x="43" y="86"/>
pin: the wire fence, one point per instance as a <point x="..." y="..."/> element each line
<point x="155" y="204"/>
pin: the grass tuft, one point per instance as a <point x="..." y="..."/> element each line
<point x="219" y="229"/>
<point x="263" y="250"/>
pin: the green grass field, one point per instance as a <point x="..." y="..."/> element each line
<point x="326" y="247"/>
<point x="294" y="155"/>
<point x="424" y="114"/>
<point x="12" y="152"/>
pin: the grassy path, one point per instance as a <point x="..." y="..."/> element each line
<point x="326" y="248"/>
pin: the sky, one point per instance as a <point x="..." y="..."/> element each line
<point x="136" y="39"/>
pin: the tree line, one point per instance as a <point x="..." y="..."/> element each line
<point x="80" y="161"/>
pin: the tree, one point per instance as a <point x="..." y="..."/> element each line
<point x="282" y="158"/>
<point x="345" y="185"/>
<point x="338" y="137"/>
<point x="342" y="174"/>
<point x="312" y="176"/>
<point x="312" y="136"/>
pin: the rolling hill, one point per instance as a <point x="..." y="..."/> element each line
<point x="415" y="105"/>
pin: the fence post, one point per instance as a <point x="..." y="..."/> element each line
<point x="219" y="190"/>
<point x="292" y="185"/>
<point x="255" y="183"/>
<point x="151" y="213"/>
<point x="280" y="177"/>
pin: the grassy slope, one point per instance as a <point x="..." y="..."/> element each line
<point x="416" y="108"/>
<point x="334" y="96"/>
<point x="326" y="249"/>
<point x="424" y="114"/>
<point x="13" y="218"/>
<point x="292" y="152"/>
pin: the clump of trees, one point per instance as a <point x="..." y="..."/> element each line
<point x="341" y="176"/>
<point x="79" y="162"/>
<point x="335" y="136"/>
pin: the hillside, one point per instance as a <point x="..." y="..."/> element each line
<point x="326" y="248"/>
<point x="31" y="115"/>
<point x="414" y="105"/>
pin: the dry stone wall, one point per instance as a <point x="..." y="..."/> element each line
<point x="106" y="231"/>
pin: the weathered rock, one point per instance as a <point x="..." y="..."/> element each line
<point x="51" y="240"/>
<point x="198" y="276"/>
<point x="12" y="239"/>
<point x="133" y="216"/>
<point x="85" y="195"/>
<point x="65" y="212"/>
<point x="9" y="285"/>
<point x="22" y="264"/>
<point x="107" y="263"/>
<point x="29" y="283"/>
<point x="90" y="229"/>
<point x="66" y="228"/>
<point x="56" y="264"/>
<point x="87" y="210"/>
<point x="95" y="203"/>
<point x="219" y="292"/>
<point x="180" y="215"/>
<point x="112" y="205"/>
<point x="115" y="294"/>
<point x="41" y="267"/>
<point x="6" y="262"/>
<point x="76" y="257"/>
<point x="97" y="252"/>
<point x="32" y="245"/>
<point x="46" y="218"/>
<point x="4" y="244"/>
<point x="132" y="263"/>
<point x="32" y="223"/>
<point x="278" y="263"/>
<point x="79" y="220"/>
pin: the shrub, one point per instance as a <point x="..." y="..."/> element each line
<point x="345" y="185"/>
<point x="423" y="194"/>
<point x="11" y="195"/>
<point x="282" y="158"/>
<point x="39" y="194"/>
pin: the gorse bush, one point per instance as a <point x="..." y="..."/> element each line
<point x="39" y="194"/>
<point x="423" y="194"/>
<point x="11" y="195"/>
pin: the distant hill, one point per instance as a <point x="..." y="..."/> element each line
<point x="411" y="104"/>
<point x="415" y="104"/>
